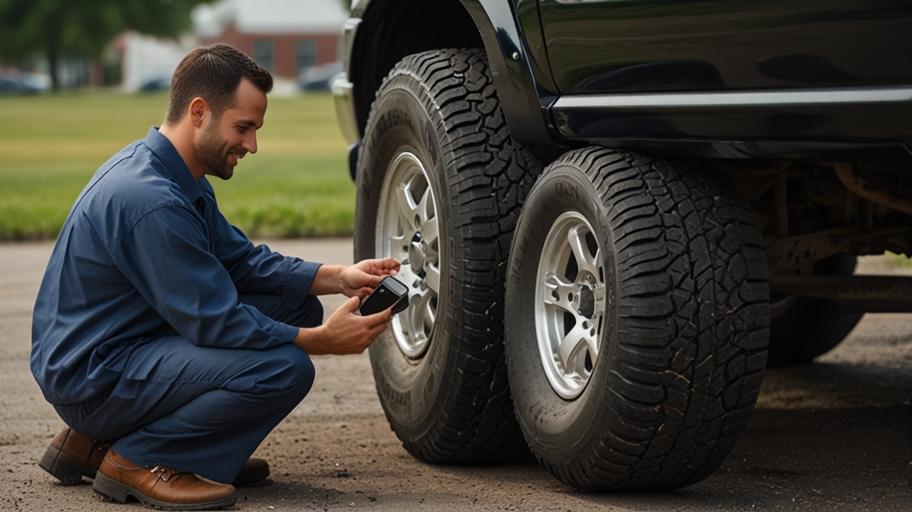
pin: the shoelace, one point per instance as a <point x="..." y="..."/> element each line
<point x="166" y="473"/>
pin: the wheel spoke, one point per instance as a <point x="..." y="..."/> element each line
<point x="425" y="313"/>
<point x="398" y="247"/>
<point x="571" y="343"/>
<point x="427" y="217"/>
<point x="413" y="329"/>
<point x="422" y="206"/>
<point x="412" y="313"/>
<point x="429" y="231"/>
<point x="432" y="279"/>
<point x="563" y="288"/>
<point x="585" y="260"/>
<point x="421" y="316"/>
<point x="592" y="340"/>
<point x="406" y="206"/>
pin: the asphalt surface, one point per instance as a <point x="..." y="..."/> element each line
<point x="835" y="435"/>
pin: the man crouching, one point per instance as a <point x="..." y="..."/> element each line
<point x="167" y="342"/>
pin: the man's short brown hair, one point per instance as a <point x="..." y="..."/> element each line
<point x="212" y="73"/>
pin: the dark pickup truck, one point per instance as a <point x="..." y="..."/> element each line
<point x="613" y="215"/>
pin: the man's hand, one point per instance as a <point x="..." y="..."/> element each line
<point x="344" y="332"/>
<point x="358" y="280"/>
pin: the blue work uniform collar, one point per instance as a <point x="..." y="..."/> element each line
<point x="162" y="147"/>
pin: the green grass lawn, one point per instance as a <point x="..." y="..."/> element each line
<point x="50" y="145"/>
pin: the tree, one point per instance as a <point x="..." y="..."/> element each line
<point x="56" y="28"/>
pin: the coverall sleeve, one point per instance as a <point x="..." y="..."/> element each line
<point x="256" y="269"/>
<point x="165" y="257"/>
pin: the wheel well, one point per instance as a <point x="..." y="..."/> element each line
<point x="393" y="29"/>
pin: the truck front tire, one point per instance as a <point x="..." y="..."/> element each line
<point x="439" y="188"/>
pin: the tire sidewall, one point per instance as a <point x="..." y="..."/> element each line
<point x="557" y="429"/>
<point x="413" y="390"/>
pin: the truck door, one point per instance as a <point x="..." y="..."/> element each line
<point x="603" y="46"/>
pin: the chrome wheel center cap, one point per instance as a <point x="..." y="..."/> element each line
<point x="586" y="301"/>
<point x="417" y="252"/>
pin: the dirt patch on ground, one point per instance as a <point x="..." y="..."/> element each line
<point x="835" y="435"/>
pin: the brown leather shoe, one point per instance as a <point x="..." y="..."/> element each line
<point x="255" y="470"/>
<point x="159" y="487"/>
<point x="72" y="456"/>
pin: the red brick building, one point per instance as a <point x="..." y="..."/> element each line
<point x="284" y="55"/>
<point x="285" y="36"/>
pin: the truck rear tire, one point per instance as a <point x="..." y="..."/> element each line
<point x="439" y="188"/>
<point x="636" y="322"/>
<point x="802" y="328"/>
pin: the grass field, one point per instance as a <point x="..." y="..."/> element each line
<point x="50" y="145"/>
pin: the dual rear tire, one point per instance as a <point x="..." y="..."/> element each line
<point x="636" y="322"/>
<point x="802" y="328"/>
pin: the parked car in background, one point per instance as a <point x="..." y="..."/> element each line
<point x="14" y="81"/>
<point x="319" y="78"/>
<point x="612" y="215"/>
<point x="160" y="83"/>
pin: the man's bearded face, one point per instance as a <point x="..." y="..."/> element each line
<point x="214" y="152"/>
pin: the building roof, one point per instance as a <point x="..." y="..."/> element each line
<point x="271" y="16"/>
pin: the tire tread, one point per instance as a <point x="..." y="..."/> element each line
<point x="489" y="177"/>
<point x="693" y="323"/>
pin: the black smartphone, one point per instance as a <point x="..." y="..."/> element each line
<point x="390" y="292"/>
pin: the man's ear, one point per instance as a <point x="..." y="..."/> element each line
<point x="199" y="109"/>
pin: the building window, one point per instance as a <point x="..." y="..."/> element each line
<point x="307" y="54"/>
<point x="264" y="53"/>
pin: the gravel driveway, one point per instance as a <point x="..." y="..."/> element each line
<point x="835" y="435"/>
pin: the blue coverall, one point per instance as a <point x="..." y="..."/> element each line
<point x="160" y="327"/>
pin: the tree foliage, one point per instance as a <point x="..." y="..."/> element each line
<point x="56" y="28"/>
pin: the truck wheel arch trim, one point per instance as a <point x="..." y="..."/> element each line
<point x="497" y="24"/>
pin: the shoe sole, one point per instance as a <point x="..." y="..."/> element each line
<point x="67" y="472"/>
<point x="252" y="478"/>
<point x="113" y="491"/>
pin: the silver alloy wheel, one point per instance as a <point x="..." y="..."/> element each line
<point x="570" y="304"/>
<point x="407" y="230"/>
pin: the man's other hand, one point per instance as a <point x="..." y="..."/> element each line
<point x="344" y="332"/>
<point x="358" y="280"/>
